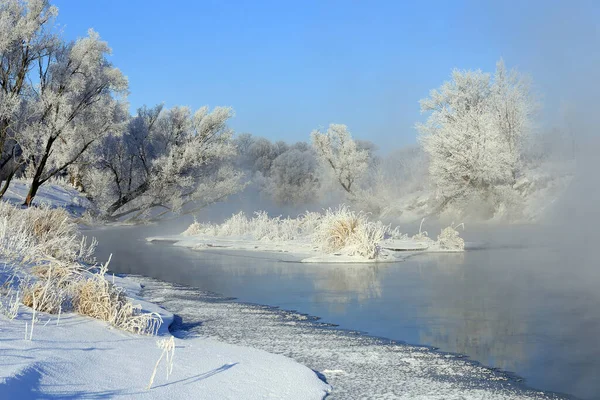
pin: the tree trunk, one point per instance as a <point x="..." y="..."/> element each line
<point x="127" y="198"/>
<point x="37" y="178"/>
<point x="35" y="185"/>
<point x="7" y="183"/>
<point x="3" y="134"/>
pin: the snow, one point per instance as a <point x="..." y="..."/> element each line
<point x="53" y="195"/>
<point x="82" y="357"/>
<point x="298" y="250"/>
<point x="356" y="366"/>
<point x="302" y="250"/>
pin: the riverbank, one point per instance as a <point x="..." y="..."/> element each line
<point x="52" y="348"/>
<point x="72" y="356"/>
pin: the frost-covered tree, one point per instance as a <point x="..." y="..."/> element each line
<point x="293" y="177"/>
<point x="336" y="149"/>
<point x="474" y="133"/>
<point x="25" y="39"/>
<point x="514" y="106"/>
<point x="166" y="159"/>
<point x="73" y="104"/>
<point x="261" y="153"/>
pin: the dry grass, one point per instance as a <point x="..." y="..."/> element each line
<point x="168" y="349"/>
<point x="51" y="291"/>
<point x="43" y="250"/>
<point x="340" y="230"/>
<point x="96" y="297"/>
<point x="41" y="232"/>
<point x="9" y="302"/>
<point x="259" y="227"/>
<point x="344" y="230"/>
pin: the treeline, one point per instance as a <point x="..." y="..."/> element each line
<point x="64" y="113"/>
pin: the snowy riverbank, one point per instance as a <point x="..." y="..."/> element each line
<point x="77" y="357"/>
<point x="63" y="354"/>
<point x="357" y="366"/>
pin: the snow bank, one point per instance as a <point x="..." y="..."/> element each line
<point x="81" y="357"/>
<point x="56" y="195"/>
<point x="338" y="235"/>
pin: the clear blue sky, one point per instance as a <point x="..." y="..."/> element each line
<point x="288" y="67"/>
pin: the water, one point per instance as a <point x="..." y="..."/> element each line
<point x="529" y="310"/>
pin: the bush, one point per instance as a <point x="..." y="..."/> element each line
<point x="343" y="229"/>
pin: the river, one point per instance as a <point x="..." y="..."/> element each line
<point x="529" y="309"/>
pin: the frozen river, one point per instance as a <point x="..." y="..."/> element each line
<point x="530" y="310"/>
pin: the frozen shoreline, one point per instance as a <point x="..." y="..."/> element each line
<point x="80" y="356"/>
<point x="357" y="366"/>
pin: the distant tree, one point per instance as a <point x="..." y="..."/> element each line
<point x="293" y="178"/>
<point x="25" y="41"/>
<point x="72" y="106"/>
<point x="261" y="154"/>
<point x="475" y="131"/>
<point x="165" y="160"/>
<point x="336" y="149"/>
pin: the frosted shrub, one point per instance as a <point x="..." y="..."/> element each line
<point x="337" y="230"/>
<point x="237" y="225"/>
<point x="449" y="239"/>
<point x="98" y="298"/>
<point x="343" y="229"/>
<point x="195" y="228"/>
<point x="260" y="227"/>
<point x="366" y="238"/>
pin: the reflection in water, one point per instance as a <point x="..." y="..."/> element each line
<point x="464" y="317"/>
<point x="531" y="310"/>
<point x="344" y="285"/>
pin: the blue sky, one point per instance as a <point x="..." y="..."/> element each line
<point x="288" y="67"/>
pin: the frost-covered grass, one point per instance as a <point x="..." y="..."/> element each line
<point x="96" y="297"/>
<point x="46" y="269"/>
<point x="339" y="230"/>
<point x="40" y="232"/>
<point x="259" y="227"/>
<point x="46" y="289"/>
<point x="344" y="230"/>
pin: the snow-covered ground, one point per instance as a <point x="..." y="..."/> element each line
<point x="78" y="357"/>
<point x="298" y="250"/>
<point x="53" y="195"/>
